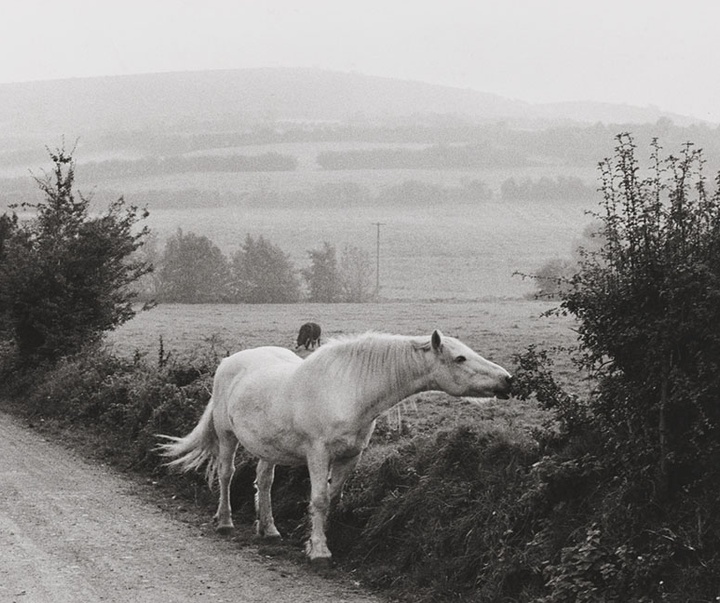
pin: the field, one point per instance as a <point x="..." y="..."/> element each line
<point x="429" y="251"/>
<point x="458" y="251"/>
<point x="464" y="252"/>
<point x="495" y="329"/>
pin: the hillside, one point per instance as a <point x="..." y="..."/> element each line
<point x="216" y="100"/>
<point x="303" y="156"/>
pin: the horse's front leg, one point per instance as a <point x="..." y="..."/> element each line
<point x="265" y="474"/>
<point x="341" y="470"/>
<point x="226" y="469"/>
<point x="319" y="468"/>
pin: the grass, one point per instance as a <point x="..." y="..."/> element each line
<point x="448" y="251"/>
<point x="496" y="329"/>
<point x="463" y="252"/>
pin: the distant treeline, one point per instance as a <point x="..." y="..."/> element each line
<point x="158" y="166"/>
<point x="576" y="144"/>
<point x="191" y="269"/>
<point x="16" y="190"/>
<point x="436" y="157"/>
<point x="572" y="144"/>
<point x="409" y="193"/>
<point x="547" y="189"/>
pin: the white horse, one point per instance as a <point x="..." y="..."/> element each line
<point x="319" y="411"/>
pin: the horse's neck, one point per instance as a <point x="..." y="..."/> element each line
<point x="399" y="373"/>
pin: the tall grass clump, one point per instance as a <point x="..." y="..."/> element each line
<point x="125" y="400"/>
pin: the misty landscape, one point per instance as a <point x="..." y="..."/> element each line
<point x="470" y="188"/>
<point x="510" y="391"/>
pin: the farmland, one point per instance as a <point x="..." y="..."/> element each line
<point x="496" y="329"/>
<point x="431" y="249"/>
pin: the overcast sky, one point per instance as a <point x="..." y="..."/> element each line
<point x="640" y="52"/>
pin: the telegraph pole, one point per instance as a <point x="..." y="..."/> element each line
<point x="377" y="256"/>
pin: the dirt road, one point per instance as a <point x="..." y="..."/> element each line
<point x="71" y="532"/>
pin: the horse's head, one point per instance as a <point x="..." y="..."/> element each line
<point x="459" y="371"/>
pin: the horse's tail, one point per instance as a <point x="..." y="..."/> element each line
<point x="199" y="447"/>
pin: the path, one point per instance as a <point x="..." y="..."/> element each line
<point x="74" y="532"/>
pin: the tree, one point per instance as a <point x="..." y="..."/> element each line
<point x="323" y="276"/>
<point x="554" y="280"/>
<point x="356" y="272"/>
<point x="65" y="275"/>
<point x="193" y="271"/>
<point x="148" y="287"/>
<point x="648" y="305"/>
<point x="263" y="274"/>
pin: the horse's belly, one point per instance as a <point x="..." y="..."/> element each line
<point x="278" y="446"/>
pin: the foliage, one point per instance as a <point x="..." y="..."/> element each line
<point x="262" y="273"/>
<point x="65" y="275"/>
<point x="148" y="285"/>
<point x="554" y="280"/>
<point x="534" y="377"/>
<point x="323" y="275"/>
<point x="356" y="275"/>
<point x="440" y="518"/>
<point x="128" y="400"/>
<point x="193" y="270"/>
<point x="648" y="305"/>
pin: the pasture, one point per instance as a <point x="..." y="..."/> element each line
<point x="461" y="252"/>
<point x="495" y="329"/>
<point x="441" y="251"/>
<point x="429" y="251"/>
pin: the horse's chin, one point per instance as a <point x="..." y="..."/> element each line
<point x="484" y="395"/>
<point x="500" y="394"/>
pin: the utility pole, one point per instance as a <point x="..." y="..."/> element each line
<point x="377" y="256"/>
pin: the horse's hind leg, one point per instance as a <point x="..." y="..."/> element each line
<point x="264" y="476"/>
<point x="226" y="469"/>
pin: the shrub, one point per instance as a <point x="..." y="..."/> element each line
<point x="444" y="516"/>
<point x="65" y="275"/>
<point x="648" y="306"/>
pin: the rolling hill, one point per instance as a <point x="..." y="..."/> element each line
<point x="216" y="100"/>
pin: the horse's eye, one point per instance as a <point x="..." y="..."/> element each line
<point x="460" y="359"/>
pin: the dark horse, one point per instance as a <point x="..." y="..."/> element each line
<point x="309" y="335"/>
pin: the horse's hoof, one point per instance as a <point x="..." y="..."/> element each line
<point x="321" y="563"/>
<point x="224" y="530"/>
<point x="271" y="537"/>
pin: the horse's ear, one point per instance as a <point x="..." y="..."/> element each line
<point x="436" y="340"/>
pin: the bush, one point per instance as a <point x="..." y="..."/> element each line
<point x="129" y="400"/>
<point x="445" y="516"/>
<point x="648" y="306"/>
<point x="65" y="275"/>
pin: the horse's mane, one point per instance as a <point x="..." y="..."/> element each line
<point x="367" y="357"/>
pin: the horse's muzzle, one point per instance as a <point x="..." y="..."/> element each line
<point x="505" y="391"/>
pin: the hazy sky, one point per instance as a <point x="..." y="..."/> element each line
<point x="641" y="52"/>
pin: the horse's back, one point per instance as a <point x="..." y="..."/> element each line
<point x="236" y="368"/>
